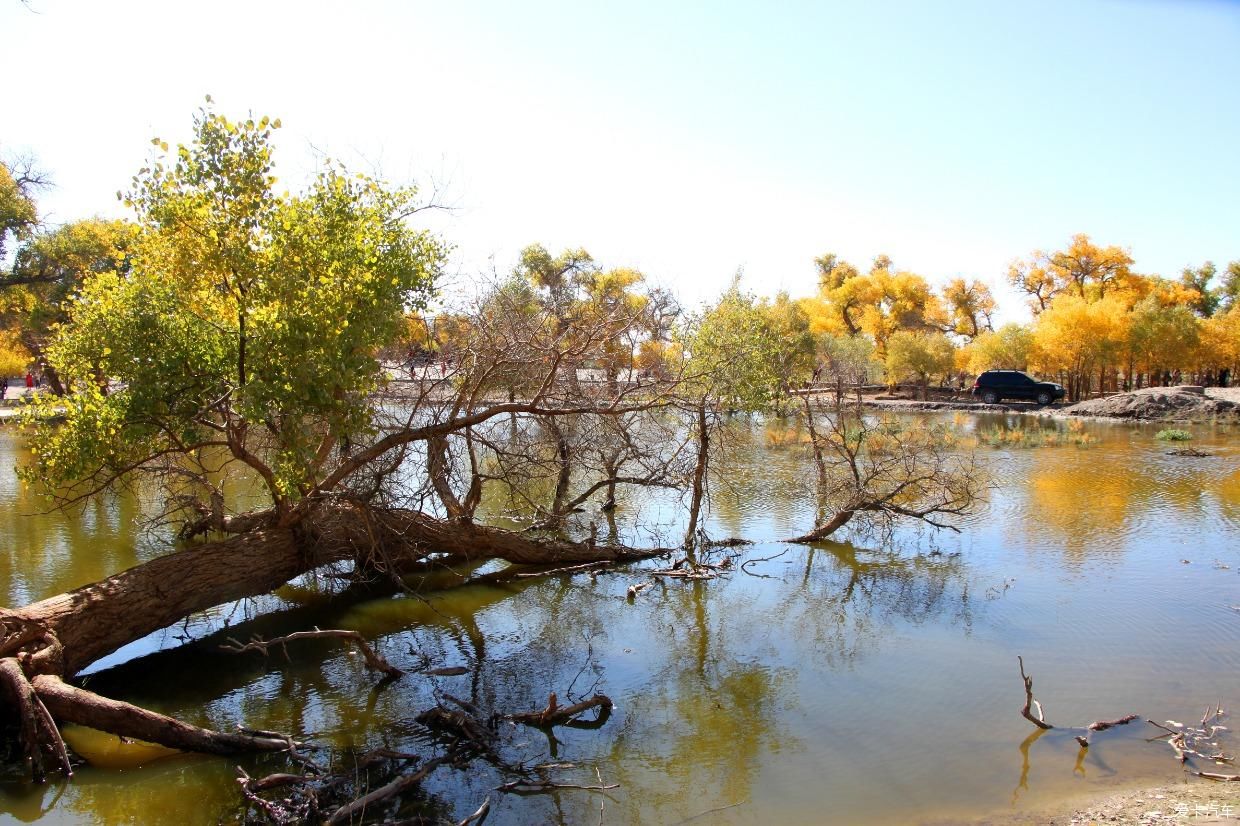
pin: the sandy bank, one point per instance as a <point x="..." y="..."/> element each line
<point x="1153" y="404"/>
<point x="1162" y="404"/>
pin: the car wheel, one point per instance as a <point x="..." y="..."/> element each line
<point x="990" y="397"/>
<point x="1044" y="398"/>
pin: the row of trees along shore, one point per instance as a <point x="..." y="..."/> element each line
<point x="229" y="339"/>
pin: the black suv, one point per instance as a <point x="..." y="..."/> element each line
<point x="996" y="385"/>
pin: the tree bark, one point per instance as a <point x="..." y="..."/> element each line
<point x="826" y="529"/>
<point x="94" y="620"/>
<point x="699" y="475"/>
<point x="99" y="618"/>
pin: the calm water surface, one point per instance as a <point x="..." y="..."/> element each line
<point x="846" y="683"/>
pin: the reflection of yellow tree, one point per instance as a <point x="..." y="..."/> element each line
<point x="1087" y="499"/>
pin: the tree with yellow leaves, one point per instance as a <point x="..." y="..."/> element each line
<point x="1161" y="338"/>
<point x="970" y="305"/>
<point x="878" y="303"/>
<point x="1074" y="337"/>
<point x="1220" y="342"/>
<point x="1007" y="348"/>
<point x="1084" y="269"/>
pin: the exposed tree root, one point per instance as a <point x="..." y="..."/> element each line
<point x="373" y="660"/>
<point x="39" y="734"/>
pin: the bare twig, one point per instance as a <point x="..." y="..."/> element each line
<point x="373" y="660"/>
<point x="480" y="815"/>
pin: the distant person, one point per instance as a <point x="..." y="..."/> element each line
<point x="1223" y="376"/>
<point x="4" y="388"/>
<point x="29" y="382"/>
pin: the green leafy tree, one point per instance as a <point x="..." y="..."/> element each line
<point x="1229" y="289"/>
<point x="247" y="322"/>
<point x="919" y="356"/>
<point x="1198" y="279"/>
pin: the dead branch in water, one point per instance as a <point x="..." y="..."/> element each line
<point x="1040" y="720"/>
<point x="1214" y="776"/>
<point x="1102" y="725"/>
<point x="556" y="715"/>
<point x="478" y="816"/>
<point x="691" y="569"/>
<point x="396" y="787"/>
<point x="373" y="660"/>
<point x="637" y="588"/>
<point x="1188" y="742"/>
<point x="544" y="786"/>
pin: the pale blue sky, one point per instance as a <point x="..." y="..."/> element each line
<point x="686" y="139"/>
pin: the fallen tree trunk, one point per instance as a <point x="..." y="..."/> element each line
<point x="824" y="531"/>
<point x="95" y="620"/>
<point x="52" y="640"/>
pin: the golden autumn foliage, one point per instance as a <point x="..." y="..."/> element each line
<point x="1074" y="336"/>
<point x="1083" y="269"/>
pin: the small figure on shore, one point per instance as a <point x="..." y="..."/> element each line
<point x="29" y="381"/>
<point x="4" y="388"/>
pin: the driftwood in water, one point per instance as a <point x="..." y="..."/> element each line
<point x="1040" y="719"/>
<point x="556" y="715"/>
<point x="1198" y="742"/>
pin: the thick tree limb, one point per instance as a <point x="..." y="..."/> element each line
<point x="77" y="705"/>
